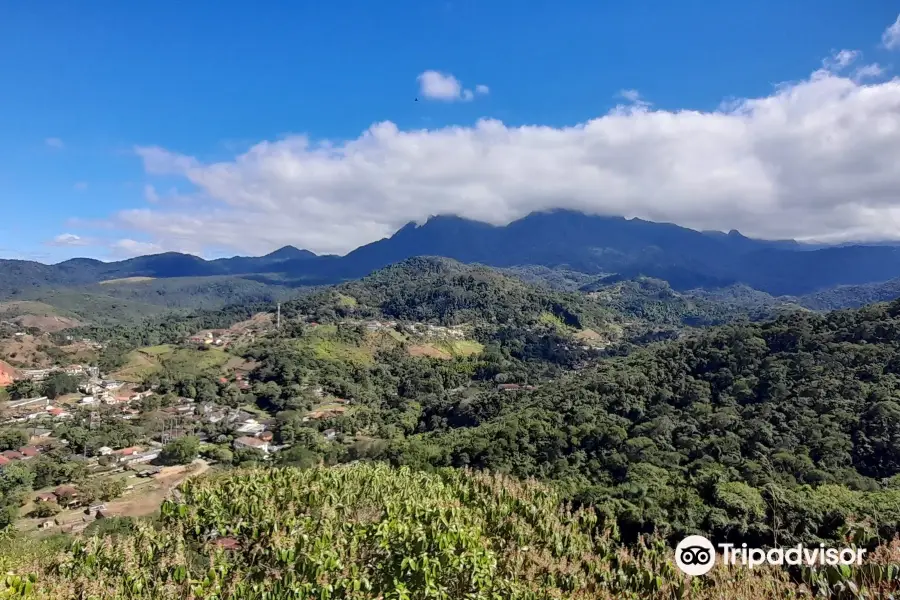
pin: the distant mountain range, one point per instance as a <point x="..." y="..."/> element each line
<point x="560" y="239"/>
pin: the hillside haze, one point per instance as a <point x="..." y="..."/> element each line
<point x="558" y="239"/>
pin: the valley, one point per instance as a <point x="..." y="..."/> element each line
<point x="661" y="412"/>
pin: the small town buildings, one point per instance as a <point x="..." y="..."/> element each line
<point x="12" y="455"/>
<point x="88" y="400"/>
<point x="45" y="497"/>
<point x="251" y="442"/>
<point x="104" y="450"/>
<point x="250" y="427"/>
<point x="141" y="458"/>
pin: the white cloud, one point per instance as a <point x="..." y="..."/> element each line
<point x="55" y="143"/>
<point x="872" y="71"/>
<point x="70" y="240"/>
<point x="80" y="186"/>
<point x="435" y="85"/>
<point x="630" y="95"/>
<point x="150" y="194"/>
<point x="127" y="248"/>
<point x="841" y="60"/>
<point x="890" y="39"/>
<point x="815" y="159"/>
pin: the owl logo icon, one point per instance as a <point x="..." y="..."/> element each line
<point x="695" y="555"/>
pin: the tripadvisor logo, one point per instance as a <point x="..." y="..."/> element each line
<point x="696" y="555"/>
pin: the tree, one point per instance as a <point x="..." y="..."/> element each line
<point x="180" y="451"/>
<point x="11" y="439"/>
<point x="219" y="454"/>
<point x="45" y="509"/>
<point x="21" y="389"/>
<point x="58" y="384"/>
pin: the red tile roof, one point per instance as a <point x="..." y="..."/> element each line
<point x="3" y="460"/>
<point x="12" y="455"/>
<point x="29" y="451"/>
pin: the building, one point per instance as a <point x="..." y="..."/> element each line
<point x="140" y="458"/>
<point x="12" y="455"/>
<point x="251" y="442"/>
<point x="266" y="436"/>
<point x="250" y="427"/>
<point x="330" y="434"/>
<point x="4" y="461"/>
<point x="45" y="497"/>
<point x="104" y="450"/>
<point x="40" y="432"/>
<point x="28" y="452"/>
<point x="37" y="374"/>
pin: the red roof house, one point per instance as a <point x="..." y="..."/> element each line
<point x="29" y="451"/>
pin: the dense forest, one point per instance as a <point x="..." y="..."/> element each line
<point x="787" y="430"/>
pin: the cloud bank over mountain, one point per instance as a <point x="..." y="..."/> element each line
<point x="815" y="160"/>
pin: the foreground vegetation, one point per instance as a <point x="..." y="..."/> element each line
<point x="367" y="531"/>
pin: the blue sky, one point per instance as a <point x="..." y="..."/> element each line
<point x="89" y="87"/>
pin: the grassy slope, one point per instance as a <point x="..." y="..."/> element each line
<point x="154" y="359"/>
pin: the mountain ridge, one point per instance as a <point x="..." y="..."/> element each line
<point x="559" y="239"/>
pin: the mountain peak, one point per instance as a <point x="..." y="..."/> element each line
<point x="289" y="253"/>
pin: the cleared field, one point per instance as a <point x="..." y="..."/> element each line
<point x="429" y="350"/>
<point x="127" y="280"/>
<point x="446" y="349"/>
<point x="153" y="359"/>
<point x="137" y="366"/>
<point x="28" y="307"/>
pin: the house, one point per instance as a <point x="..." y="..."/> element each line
<point x="130" y="451"/>
<point x="88" y="400"/>
<point x="11" y="455"/>
<point x="29" y="452"/>
<point x="250" y="427"/>
<point x="251" y="442"/>
<point x="150" y="472"/>
<point x="48" y="524"/>
<point x="45" y="497"/>
<point x="104" y="450"/>
<point x="112" y="385"/>
<point x="4" y="461"/>
<point x="144" y="457"/>
<point x="265" y="436"/>
<point x="40" y="432"/>
<point x="330" y="434"/>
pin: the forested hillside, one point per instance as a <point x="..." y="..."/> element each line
<point x="786" y="430"/>
<point x="446" y="292"/>
<point x="768" y="433"/>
